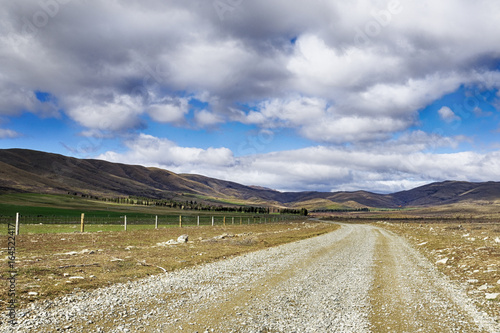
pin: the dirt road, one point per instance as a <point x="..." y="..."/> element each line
<point x="359" y="278"/>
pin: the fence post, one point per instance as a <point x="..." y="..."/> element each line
<point x="232" y="220"/>
<point x="180" y="221"/>
<point x="17" y="224"/>
<point x="241" y="220"/>
<point x="198" y="220"/>
<point x="125" y="222"/>
<point x="224" y="221"/>
<point x="82" y="223"/>
<point x="156" y="222"/>
<point x="212" y="221"/>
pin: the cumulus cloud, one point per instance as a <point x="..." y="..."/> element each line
<point x="399" y="65"/>
<point x="409" y="161"/>
<point x="448" y="115"/>
<point x="291" y="112"/>
<point x="402" y="165"/>
<point x="206" y="118"/>
<point x="8" y="134"/>
<point x="105" y="111"/>
<point x="169" y="110"/>
<point x="338" y="73"/>
<point x="152" y="151"/>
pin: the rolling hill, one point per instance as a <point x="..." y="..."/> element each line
<point x="32" y="171"/>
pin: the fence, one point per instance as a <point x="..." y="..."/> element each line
<point x="153" y="221"/>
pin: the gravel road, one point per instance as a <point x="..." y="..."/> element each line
<point x="359" y="278"/>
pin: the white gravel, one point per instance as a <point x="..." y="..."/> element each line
<point x="321" y="284"/>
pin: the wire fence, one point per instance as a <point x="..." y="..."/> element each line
<point x="89" y="222"/>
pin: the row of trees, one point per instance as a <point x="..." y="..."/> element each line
<point x="342" y="210"/>
<point x="192" y="205"/>
<point x="301" y="211"/>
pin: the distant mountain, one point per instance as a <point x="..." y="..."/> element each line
<point x="448" y="192"/>
<point x="24" y="170"/>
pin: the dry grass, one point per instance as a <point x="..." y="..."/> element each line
<point x="472" y="251"/>
<point x="46" y="263"/>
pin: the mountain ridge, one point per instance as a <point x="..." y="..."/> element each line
<point x="23" y="170"/>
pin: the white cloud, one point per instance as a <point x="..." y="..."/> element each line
<point x="205" y="118"/>
<point x="448" y="115"/>
<point x="8" y="134"/>
<point x="169" y="110"/>
<point x="292" y="112"/>
<point x="353" y="129"/>
<point x="319" y="67"/>
<point x="151" y="48"/>
<point x="151" y="151"/>
<point x="109" y="65"/>
<point x="105" y="111"/>
<point x="405" y="163"/>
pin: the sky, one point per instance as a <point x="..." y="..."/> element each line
<point x="322" y="95"/>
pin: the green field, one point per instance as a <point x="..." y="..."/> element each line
<point x="44" y="213"/>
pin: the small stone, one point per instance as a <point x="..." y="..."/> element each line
<point x="442" y="261"/>
<point x="32" y="293"/>
<point x="483" y="287"/>
<point x="169" y="242"/>
<point x="492" y="295"/>
<point x="182" y="239"/>
<point x="76" y="278"/>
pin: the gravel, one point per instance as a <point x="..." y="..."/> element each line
<point x="322" y="284"/>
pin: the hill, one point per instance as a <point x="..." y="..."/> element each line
<point x="32" y="171"/>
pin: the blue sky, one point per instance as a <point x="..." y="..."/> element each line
<point x="324" y="95"/>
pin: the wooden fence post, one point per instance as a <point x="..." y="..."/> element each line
<point x="224" y="221"/>
<point x="212" y="221"/>
<point x="82" y="223"/>
<point x="241" y="220"/>
<point x="156" y="222"/>
<point x="198" y="220"/>
<point x="232" y="220"/>
<point x="180" y="221"/>
<point x="17" y="224"/>
<point x="125" y="222"/>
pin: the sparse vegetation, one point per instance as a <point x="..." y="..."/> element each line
<point x="467" y="252"/>
<point x="50" y="264"/>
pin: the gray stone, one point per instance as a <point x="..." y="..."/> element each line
<point x="182" y="239"/>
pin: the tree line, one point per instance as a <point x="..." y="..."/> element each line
<point x="192" y="205"/>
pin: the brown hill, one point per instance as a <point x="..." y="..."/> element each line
<point x="34" y="171"/>
<point x="448" y="192"/>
